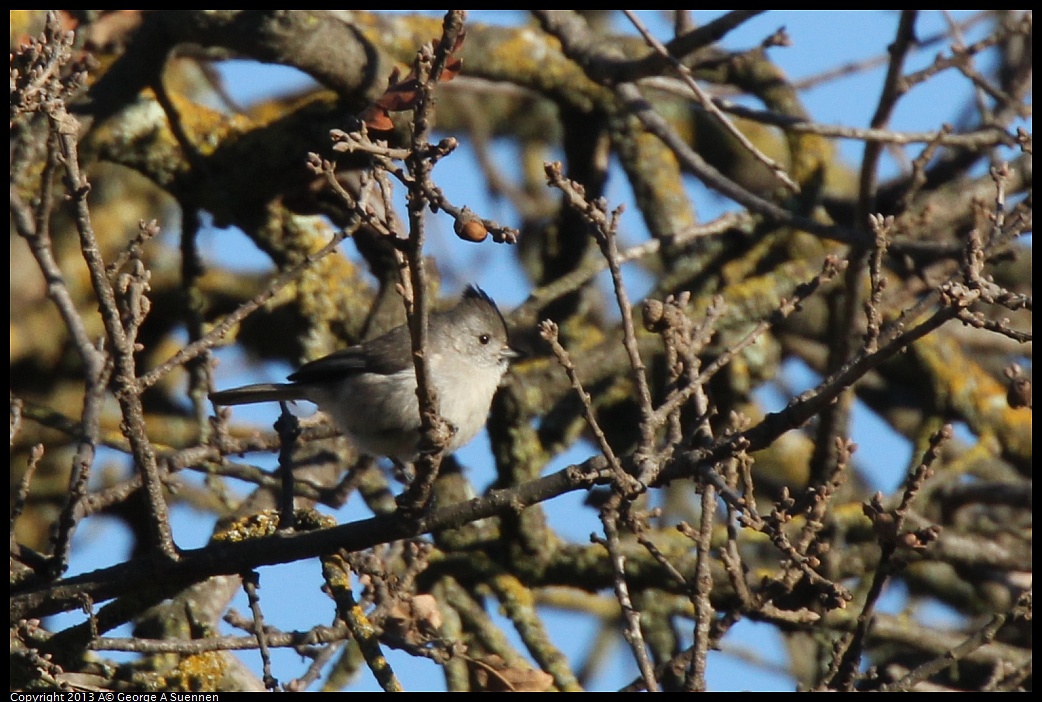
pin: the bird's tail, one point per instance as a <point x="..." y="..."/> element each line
<point x="261" y="392"/>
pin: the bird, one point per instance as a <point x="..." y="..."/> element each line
<point x="369" y="389"/>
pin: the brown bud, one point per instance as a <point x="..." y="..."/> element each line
<point x="473" y="230"/>
<point x="654" y="313"/>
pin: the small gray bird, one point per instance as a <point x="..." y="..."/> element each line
<point x="370" y="389"/>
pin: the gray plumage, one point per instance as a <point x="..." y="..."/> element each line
<point x="370" y="389"/>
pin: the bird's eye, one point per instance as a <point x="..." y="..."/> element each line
<point x="484" y="339"/>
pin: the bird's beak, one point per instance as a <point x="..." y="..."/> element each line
<point x="511" y="354"/>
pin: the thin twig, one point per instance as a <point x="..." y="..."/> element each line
<point x="250" y="583"/>
<point x="220" y="330"/>
<point x="549" y="331"/>
<point x="695" y="677"/>
<point x="889" y="525"/>
<point x="983" y="636"/>
<point x="631" y="616"/>
<point x="605" y="230"/>
<point x="776" y="169"/>
<point x="434" y="430"/>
